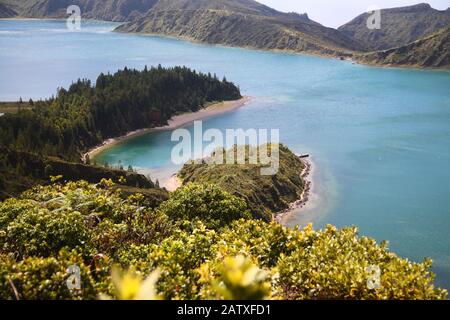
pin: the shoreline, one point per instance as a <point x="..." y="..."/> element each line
<point x="350" y="56"/>
<point x="172" y="184"/>
<point x="299" y="205"/>
<point x="175" y="122"/>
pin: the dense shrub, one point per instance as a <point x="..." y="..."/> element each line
<point x="44" y="278"/>
<point x="43" y="232"/>
<point x="78" y="215"/>
<point x="208" y="203"/>
<point x="265" y="242"/>
<point x="178" y="259"/>
<point x="338" y="265"/>
<point x="235" y="278"/>
<point x="300" y="264"/>
<point x="209" y="259"/>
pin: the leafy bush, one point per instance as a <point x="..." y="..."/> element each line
<point x="77" y="215"/>
<point x="44" y="278"/>
<point x="217" y="258"/>
<point x="40" y="231"/>
<point x="265" y="242"/>
<point x="338" y="265"/>
<point x="129" y="285"/>
<point x="177" y="258"/>
<point x="238" y="278"/>
<point x="300" y="264"/>
<point x="208" y="203"/>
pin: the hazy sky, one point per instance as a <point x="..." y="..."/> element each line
<point x="334" y="13"/>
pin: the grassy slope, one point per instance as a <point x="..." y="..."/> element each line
<point x="265" y="195"/>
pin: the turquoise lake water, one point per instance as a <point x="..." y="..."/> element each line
<point x="379" y="138"/>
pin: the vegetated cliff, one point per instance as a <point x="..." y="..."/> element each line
<point x="265" y="195"/>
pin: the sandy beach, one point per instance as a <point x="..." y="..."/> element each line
<point x="172" y="184"/>
<point x="304" y="201"/>
<point x="174" y="123"/>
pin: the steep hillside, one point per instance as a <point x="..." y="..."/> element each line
<point x="108" y="10"/>
<point x="6" y="11"/>
<point x="431" y="52"/>
<point x="242" y="23"/>
<point x="399" y="26"/>
<point x="244" y="6"/>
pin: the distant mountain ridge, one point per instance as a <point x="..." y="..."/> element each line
<point x="241" y="23"/>
<point x="399" y="26"/>
<point x="108" y="10"/>
<point x="250" y="24"/>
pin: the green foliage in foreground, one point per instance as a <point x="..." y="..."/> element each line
<point x="208" y="203"/>
<point x="51" y="228"/>
<point x="44" y="278"/>
<point x="89" y="218"/>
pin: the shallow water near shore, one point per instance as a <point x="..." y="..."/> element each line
<point x="379" y="138"/>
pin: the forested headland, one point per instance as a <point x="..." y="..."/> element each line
<point x="84" y="115"/>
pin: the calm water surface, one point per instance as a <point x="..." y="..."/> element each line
<point x="380" y="138"/>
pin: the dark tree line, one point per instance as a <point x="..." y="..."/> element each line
<point x="84" y="115"/>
